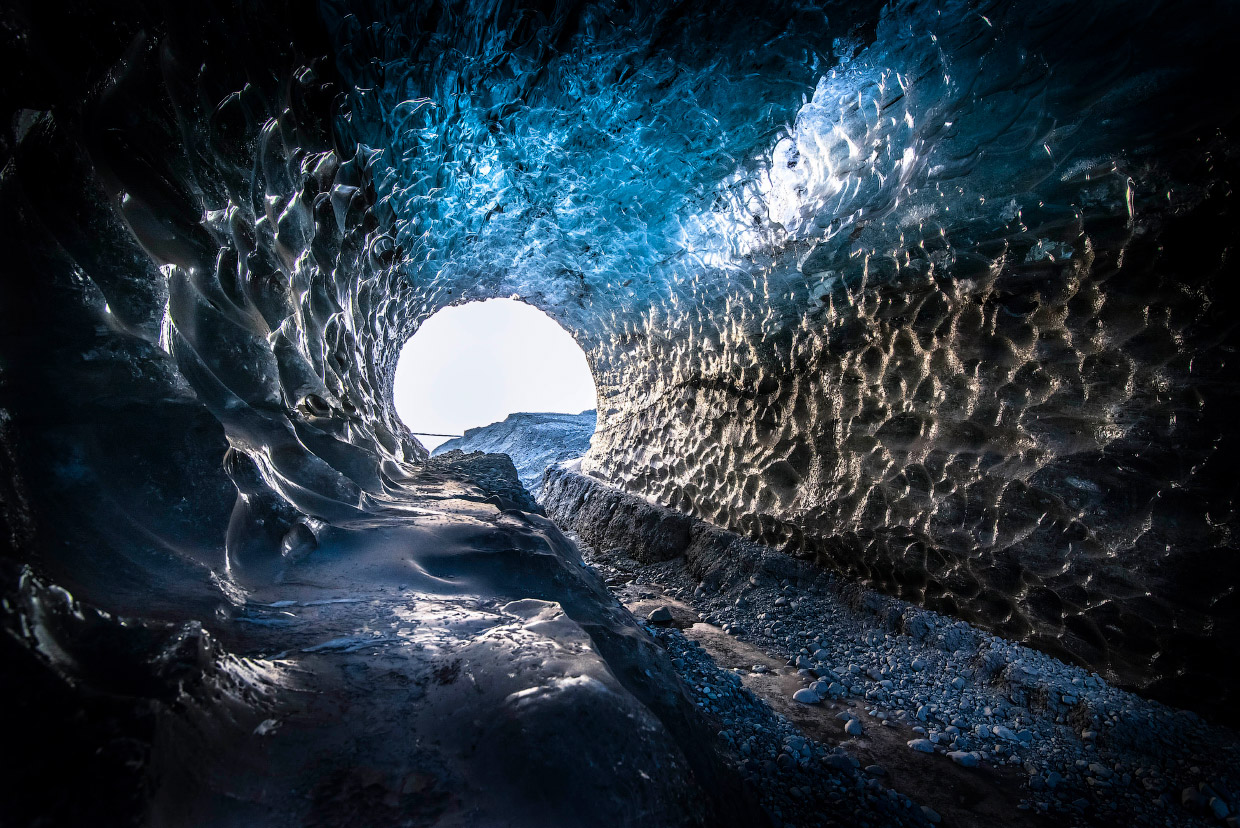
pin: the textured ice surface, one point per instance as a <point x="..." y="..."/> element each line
<point x="935" y="294"/>
<point x="939" y="295"/>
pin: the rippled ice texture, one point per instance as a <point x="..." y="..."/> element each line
<point x="935" y="293"/>
<point x="938" y="295"/>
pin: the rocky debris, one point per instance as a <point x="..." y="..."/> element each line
<point x="1086" y="750"/>
<point x="534" y="441"/>
<point x="803" y="782"/>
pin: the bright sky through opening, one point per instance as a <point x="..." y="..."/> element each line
<point x="474" y="364"/>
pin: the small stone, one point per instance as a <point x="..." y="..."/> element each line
<point x="922" y="745"/>
<point x="853" y="727"/>
<point x="839" y="762"/>
<point x="1101" y="771"/>
<point x="875" y="770"/>
<point x="1219" y="808"/>
<point x="963" y="758"/>
<point x="806" y="696"/>
<point x="660" y="616"/>
<point x="918" y="665"/>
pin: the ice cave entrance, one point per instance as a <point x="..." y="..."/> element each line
<point x="474" y="364"/>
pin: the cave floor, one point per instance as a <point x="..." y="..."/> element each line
<point x="976" y="797"/>
<point x="1064" y="775"/>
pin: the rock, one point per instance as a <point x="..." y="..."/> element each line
<point x="806" y="696"/>
<point x="1219" y="808"/>
<point x="839" y="762"/>
<point x="931" y="814"/>
<point x="922" y="745"/>
<point x="1003" y="733"/>
<point x="662" y="615"/>
<point x="853" y="727"/>
<point x="963" y="758"/>
<point x="875" y="770"/>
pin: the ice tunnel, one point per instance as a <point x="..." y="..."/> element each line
<point x="912" y="493"/>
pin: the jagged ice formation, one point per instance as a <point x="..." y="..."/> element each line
<point x="936" y="295"/>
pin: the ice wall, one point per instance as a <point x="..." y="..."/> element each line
<point x="934" y="293"/>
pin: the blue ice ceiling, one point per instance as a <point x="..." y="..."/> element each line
<point x="556" y="151"/>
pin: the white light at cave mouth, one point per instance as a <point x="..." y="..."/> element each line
<point x="474" y="364"/>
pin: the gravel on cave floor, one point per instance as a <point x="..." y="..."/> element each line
<point x="976" y="729"/>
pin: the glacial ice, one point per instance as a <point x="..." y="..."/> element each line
<point x="876" y="291"/>
<point x="937" y="296"/>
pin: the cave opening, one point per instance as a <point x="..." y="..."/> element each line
<point x="475" y="365"/>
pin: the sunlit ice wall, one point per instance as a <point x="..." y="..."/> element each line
<point x="937" y="295"/>
<point x="934" y="294"/>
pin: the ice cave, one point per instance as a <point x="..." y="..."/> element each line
<point x="906" y="493"/>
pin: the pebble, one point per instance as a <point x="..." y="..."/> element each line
<point x="1219" y="808"/>
<point x="963" y="758"/>
<point x="1003" y="733"/>
<point x="660" y="616"/>
<point x="1077" y="741"/>
<point x="806" y="696"/>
